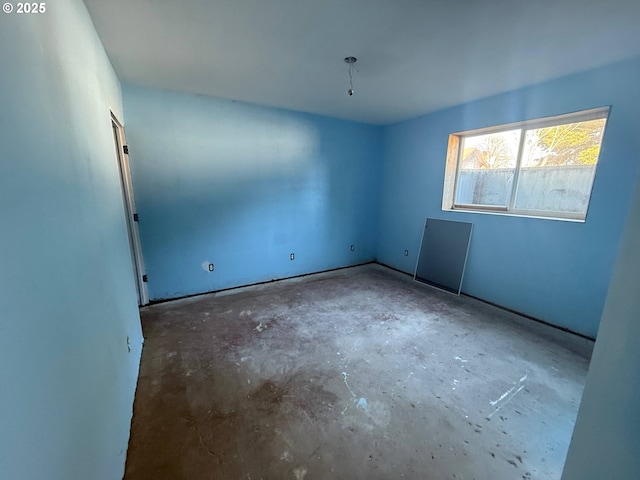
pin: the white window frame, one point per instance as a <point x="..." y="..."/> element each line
<point x="454" y="159"/>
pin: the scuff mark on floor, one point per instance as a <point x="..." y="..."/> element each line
<point x="345" y="375"/>
<point x="300" y="473"/>
<point x="508" y="395"/>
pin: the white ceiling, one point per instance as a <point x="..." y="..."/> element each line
<point x="414" y="56"/>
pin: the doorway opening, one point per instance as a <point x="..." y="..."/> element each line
<point x="122" y="155"/>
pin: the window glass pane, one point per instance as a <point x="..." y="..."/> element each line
<point x="558" y="167"/>
<point x="486" y="170"/>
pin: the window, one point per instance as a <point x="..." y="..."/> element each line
<point x="540" y="168"/>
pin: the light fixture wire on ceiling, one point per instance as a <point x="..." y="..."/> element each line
<point x="351" y="61"/>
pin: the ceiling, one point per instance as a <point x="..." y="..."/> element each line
<point x="414" y="56"/>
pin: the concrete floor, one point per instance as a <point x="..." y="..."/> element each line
<point x="354" y="374"/>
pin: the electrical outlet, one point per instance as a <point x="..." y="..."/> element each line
<point x="353" y="247"/>
<point x="292" y="256"/>
<point x="406" y="253"/>
<point x="211" y="267"/>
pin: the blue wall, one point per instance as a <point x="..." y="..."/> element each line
<point x="67" y="296"/>
<point x="606" y="439"/>
<point x="553" y="270"/>
<point x="243" y="186"/>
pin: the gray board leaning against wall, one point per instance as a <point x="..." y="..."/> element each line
<point x="443" y="254"/>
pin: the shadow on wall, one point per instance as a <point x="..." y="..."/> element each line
<point x="243" y="187"/>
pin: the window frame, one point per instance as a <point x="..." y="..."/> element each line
<point x="454" y="160"/>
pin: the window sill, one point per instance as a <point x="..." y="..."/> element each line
<point x="507" y="213"/>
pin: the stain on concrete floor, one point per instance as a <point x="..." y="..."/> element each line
<point x="353" y="374"/>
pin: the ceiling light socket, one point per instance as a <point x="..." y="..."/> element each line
<point x="351" y="62"/>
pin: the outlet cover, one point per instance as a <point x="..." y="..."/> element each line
<point x="292" y="256"/>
